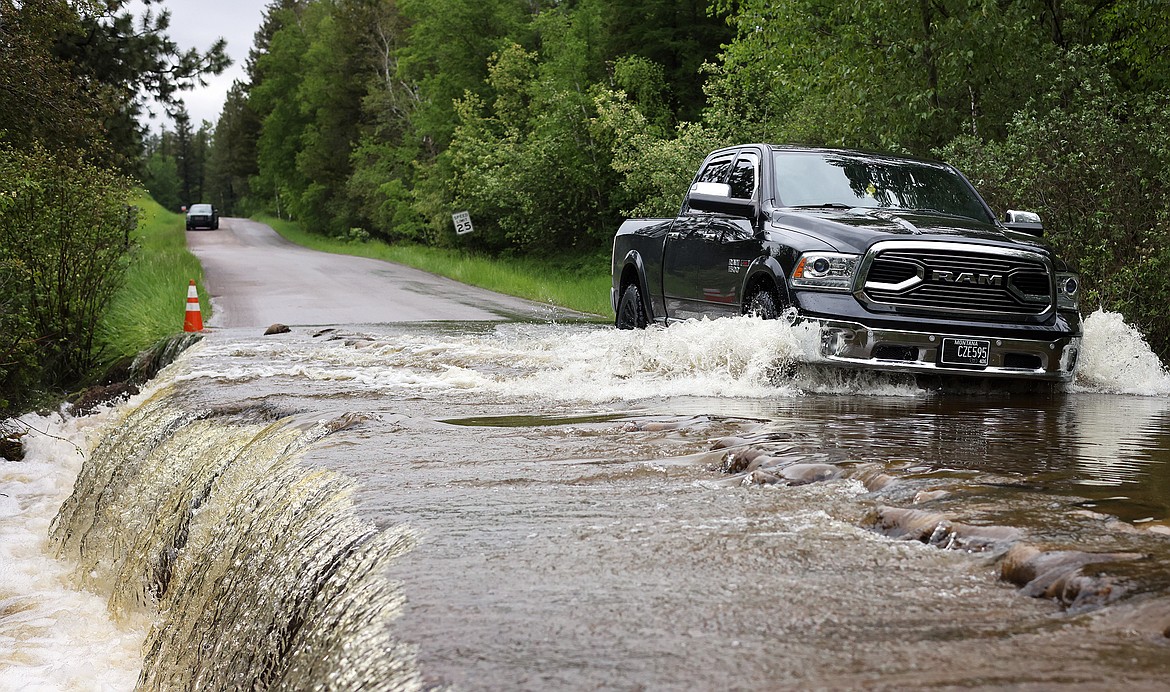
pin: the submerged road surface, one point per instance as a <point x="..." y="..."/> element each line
<point x="492" y="501"/>
<point x="257" y="278"/>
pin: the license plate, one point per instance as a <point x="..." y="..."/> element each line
<point x="965" y="352"/>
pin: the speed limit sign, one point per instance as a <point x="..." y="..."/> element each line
<point x="462" y="221"/>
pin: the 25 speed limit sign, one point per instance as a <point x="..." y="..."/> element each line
<point x="462" y="221"/>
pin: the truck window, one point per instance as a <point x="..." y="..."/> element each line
<point x="851" y="179"/>
<point x="715" y="171"/>
<point x="743" y="176"/>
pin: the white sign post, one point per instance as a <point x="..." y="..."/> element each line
<point x="462" y="221"/>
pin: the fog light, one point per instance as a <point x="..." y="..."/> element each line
<point x="835" y="342"/>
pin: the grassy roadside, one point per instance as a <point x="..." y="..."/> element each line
<point x="579" y="285"/>
<point x="150" y="306"/>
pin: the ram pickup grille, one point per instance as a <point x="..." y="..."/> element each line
<point x="978" y="282"/>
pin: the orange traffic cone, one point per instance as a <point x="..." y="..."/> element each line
<point x="194" y="321"/>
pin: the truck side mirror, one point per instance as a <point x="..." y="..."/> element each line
<point x="717" y="197"/>
<point x="1024" y="222"/>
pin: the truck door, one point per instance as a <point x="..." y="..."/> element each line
<point x="688" y="256"/>
<point x="709" y="263"/>
<point x="691" y="269"/>
<point x="738" y="245"/>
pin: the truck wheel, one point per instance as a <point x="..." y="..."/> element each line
<point x="631" y="314"/>
<point x="763" y="305"/>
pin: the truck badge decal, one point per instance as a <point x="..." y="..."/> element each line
<point x="735" y="265"/>
<point x="971" y="278"/>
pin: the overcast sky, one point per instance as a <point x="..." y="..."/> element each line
<point x="197" y="24"/>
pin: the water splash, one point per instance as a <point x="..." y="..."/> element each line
<point x="742" y="357"/>
<point x="53" y="637"/>
<point x="1116" y="359"/>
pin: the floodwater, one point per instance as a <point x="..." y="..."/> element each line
<point x="566" y="506"/>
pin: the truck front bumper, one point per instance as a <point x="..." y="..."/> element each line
<point x="897" y="350"/>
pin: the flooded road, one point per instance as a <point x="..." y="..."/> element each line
<point x="480" y="493"/>
<point x="525" y="505"/>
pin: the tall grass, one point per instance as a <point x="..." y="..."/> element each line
<point x="578" y="283"/>
<point x="151" y="305"/>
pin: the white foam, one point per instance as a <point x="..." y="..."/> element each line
<point x="53" y="637"/>
<point x="742" y="357"/>
<point x="1116" y="359"/>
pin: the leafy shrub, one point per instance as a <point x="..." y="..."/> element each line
<point x="64" y="240"/>
<point x="656" y="169"/>
<point x="528" y="166"/>
<point x="17" y="341"/>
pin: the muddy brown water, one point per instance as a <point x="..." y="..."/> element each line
<point x="575" y="526"/>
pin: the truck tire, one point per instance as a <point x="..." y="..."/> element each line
<point x="631" y="313"/>
<point x="762" y="304"/>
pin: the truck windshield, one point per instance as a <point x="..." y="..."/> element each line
<point x="846" y="180"/>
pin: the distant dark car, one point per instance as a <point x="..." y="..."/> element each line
<point x="202" y="216"/>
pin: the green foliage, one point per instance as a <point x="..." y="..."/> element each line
<point x="677" y="37"/>
<point x="278" y="184"/>
<point x="1094" y="162"/>
<point x="18" y="347"/>
<point x="656" y="169"/>
<point x="161" y="178"/>
<point x="529" y="168"/>
<point x="77" y="74"/>
<point x="889" y="76"/>
<point x="446" y="53"/>
<point x="149" y="306"/>
<point x="64" y="237"/>
<point x="41" y="101"/>
<point x="231" y="159"/>
<point x="380" y="188"/>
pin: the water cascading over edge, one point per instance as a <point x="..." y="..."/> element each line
<point x="255" y="569"/>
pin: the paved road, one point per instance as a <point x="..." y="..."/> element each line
<point x="257" y="278"/>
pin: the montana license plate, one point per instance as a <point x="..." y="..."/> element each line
<point x="970" y="352"/>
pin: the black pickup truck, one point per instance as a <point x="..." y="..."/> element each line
<point x="898" y="262"/>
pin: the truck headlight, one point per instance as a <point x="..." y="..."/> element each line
<point x="1068" y="289"/>
<point x="830" y="271"/>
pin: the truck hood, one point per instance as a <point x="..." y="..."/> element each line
<point x="855" y="230"/>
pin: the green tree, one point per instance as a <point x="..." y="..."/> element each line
<point x="186" y="162"/>
<point x="64" y="229"/>
<point x="678" y="36"/>
<point x="41" y="100"/>
<point x="446" y="54"/>
<point x="18" y="344"/>
<point x="278" y="184"/>
<point x="79" y="74"/>
<point x="126" y="60"/>
<point x="655" y="166"/>
<point x="380" y="186"/>
<point x="893" y="76"/>
<point x="337" y="66"/>
<point x="232" y="155"/>
<point x="161" y="178"/>
<point x="530" y="167"/>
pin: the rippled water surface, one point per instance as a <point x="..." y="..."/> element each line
<point x="697" y="507"/>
